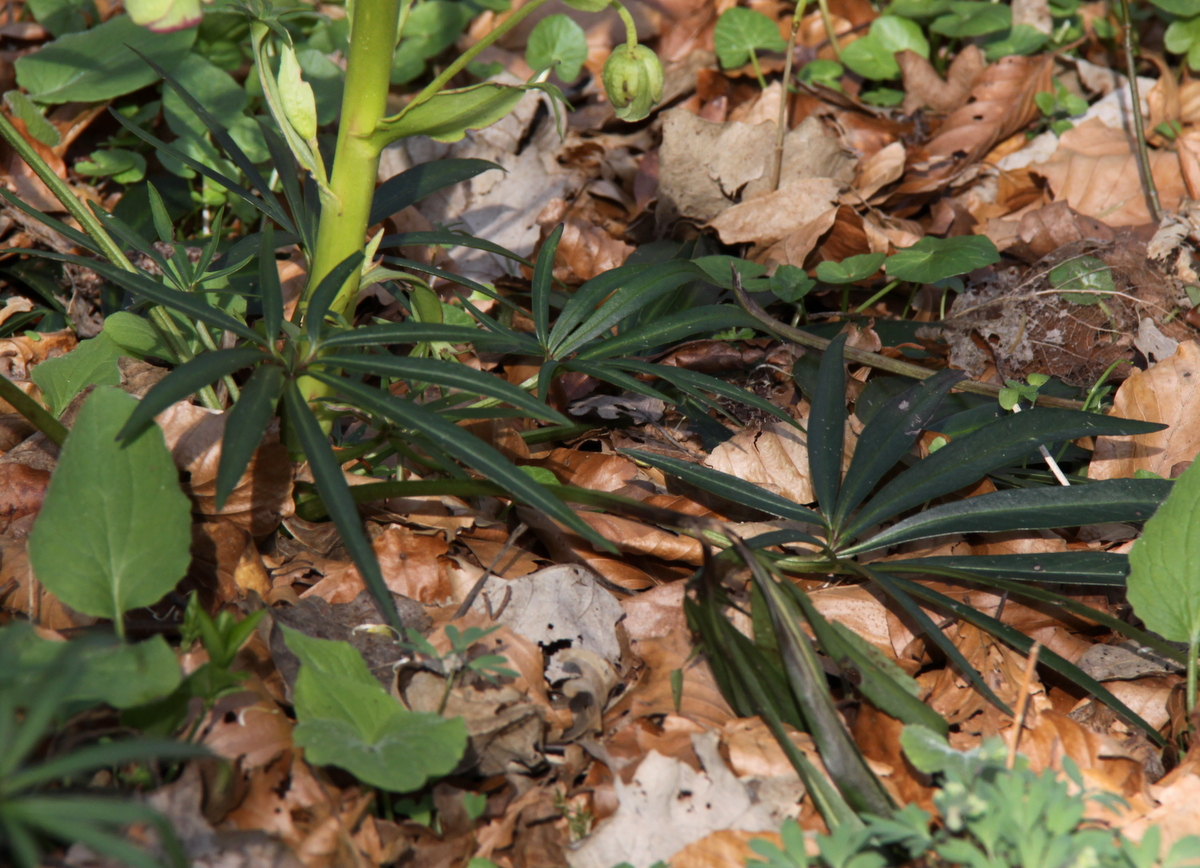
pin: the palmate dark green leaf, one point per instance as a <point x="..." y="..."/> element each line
<point x="411" y="332"/>
<point x="304" y="221"/>
<point x="447" y="375"/>
<point x="450" y="238"/>
<point x="472" y="285"/>
<point x="827" y="425"/>
<point x="543" y="281"/>
<point x="186" y="380"/>
<point x="695" y="384"/>
<point x="464" y="447"/>
<point x="654" y="282"/>
<point x="842" y="758"/>
<point x="1129" y="500"/>
<point x="588" y="297"/>
<point x="1073" y="568"/>
<point x="730" y="487"/>
<point x="888" y="437"/>
<point x="872" y="680"/>
<point x="245" y="425"/>
<point x="270" y="291"/>
<point x="967" y="459"/>
<point x="327" y="290"/>
<point x="424" y="179"/>
<point x="145" y="287"/>
<point x="327" y="474"/>
<point x="890" y="586"/>
<point x="1023" y="643"/>
<point x="667" y="330"/>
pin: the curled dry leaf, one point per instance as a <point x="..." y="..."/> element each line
<point x="924" y="88"/>
<point x="586" y="248"/>
<point x="224" y="556"/>
<point x="20" y="353"/>
<point x="1165" y="393"/>
<point x="1095" y="170"/>
<point x="773" y="216"/>
<point x="261" y="498"/>
<point x="1001" y="103"/>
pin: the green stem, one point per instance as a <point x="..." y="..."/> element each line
<point x="870" y="301"/>
<point x="1135" y="109"/>
<point x="1193" y="649"/>
<point x="37" y="415"/>
<point x="631" y="39"/>
<point x="827" y="20"/>
<point x="758" y="73"/>
<point x="430" y="90"/>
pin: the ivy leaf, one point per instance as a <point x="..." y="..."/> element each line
<point x="557" y="41"/>
<point x="1082" y="280"/>
<point x="740" y="31"/>
<point x="933" y="259"/>
<point x="851" y="269"/>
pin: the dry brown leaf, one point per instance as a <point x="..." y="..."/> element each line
<point x="773" y="216"/>
<point x="727" y="848"/>
<point x="22" y="489"/>
<point x="880" y="169"/>
<point x="225" y="557"/>
<point x="638" y="538"/>
<point x="1165" y="393"/>
<point x="261" y="497"/>
<point x="586" y="248"/>
<point x="20" y="353"/>
<point x="1095" y="171"/>
<point x="1002" y="102"/>
<point x="775" y="457"/>
<point x="1044" y="230"/>
<point x="1188" y="146"/>
<point x="923" y="87"/>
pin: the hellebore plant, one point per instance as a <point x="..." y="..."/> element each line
<point x="300" y="363"/>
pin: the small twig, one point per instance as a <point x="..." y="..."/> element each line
<point x="781" y="133"/>
<point x="875" y="360"/>
<point x="1023" y="703"/>
<point x="1135" y="109"/>
<point x="490" y="571"/>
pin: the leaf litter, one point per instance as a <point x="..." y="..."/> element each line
<point x="608" y="739"/>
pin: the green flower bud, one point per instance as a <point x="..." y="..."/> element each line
<point x="633" y="79"/>
<point x="588" y="5"/>
<point x="164" y="16"/>
<point x="299" y="104"/>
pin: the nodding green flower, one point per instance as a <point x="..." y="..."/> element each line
<point x="588" y="5"/>
<point x="163" y="16"/>
<point x="633" y="79"/>
<point x="299" y="104"/>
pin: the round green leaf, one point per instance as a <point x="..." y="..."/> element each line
<point x="969" y="18"/>
<point x="870" y="59"/>
<point x="1176" y="7"/>
<point x="934" y="259"/>
<point x="1082" y="280"/>
<point x="115" y="531"/>
<point x="851" y="269"/>
<point x="740" y="31"/>
<point x="1182" y="35"/>
<point x="898" y="34"/>
<point x="557" y="41"/>
<point x="98" y="64"/>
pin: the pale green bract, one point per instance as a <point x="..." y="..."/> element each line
<point x="163" y="16"/>
<point x="299" y="104"/>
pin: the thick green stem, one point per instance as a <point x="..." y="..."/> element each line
<point x="347" y="207"/>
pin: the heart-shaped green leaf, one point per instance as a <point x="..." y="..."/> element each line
<point x="740" y="31"/>
<point x="934" y="259"/>
<point x="852" y="269"/>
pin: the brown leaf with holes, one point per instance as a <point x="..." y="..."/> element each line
<point x="1166" y="393"/>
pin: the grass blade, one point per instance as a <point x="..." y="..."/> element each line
<point x="1125" y="500"/>
<point x="468" y="449"/>
<point x="185" y="381"/>
<point x="449" y="238"/>
<point x="827" y="426"/>
<point x="245" y="425"/>
<point x="668" y="330"/>
<point x="730" y="487"/>
<point x="424" y="179"/>
<point x="335" y="492"/>
<point x="968" y="459"/>
<point x="327" y="290"/>
<point x="448" y="375"/>
<point x="888" y="437"/>
<point x="270" y="291"/>
<point x="543" y="281"/>
<point x="842" y="758"/>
